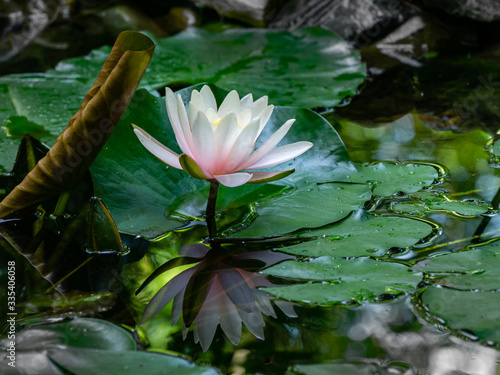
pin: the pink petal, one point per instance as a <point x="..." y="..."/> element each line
<point x="162" y="152"/>
<point x="231" y="103"/>
<point x="234" y="179"/>
<point x="282" y="154"/>
<point x="268" y="145"/>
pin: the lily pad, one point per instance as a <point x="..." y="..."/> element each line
<point x="362" y="234"/>
<point x="309" y="207"/>
<point x="476" y="312"/>
<point x="433" y="201"/>
<point x="88" y="346"/>
<point x="148" y="198"/>
<point x="333" y="280"/>
<point x="139" y="189"/>
<point x="476" y="268"/>
<point x="322" y="74"/>
<point x="390" y="178"/>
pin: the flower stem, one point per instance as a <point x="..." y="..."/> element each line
<point x="210" y="213"/>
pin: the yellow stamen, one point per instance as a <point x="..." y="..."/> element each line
<point x="216" y="122"/>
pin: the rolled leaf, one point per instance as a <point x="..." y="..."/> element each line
<point x="89" y="129"/>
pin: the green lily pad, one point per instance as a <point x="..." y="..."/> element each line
<point x="148" y="198"/>
<point x="361" y="234"/>
<point x="476" y="312"/>
<point x="88" y="346"/>
<point x="309" y="207"/>
<point x="390" y="178"/>
<point x="476" y="268"/>
<point x="140" y="191"/>
<point x="332" y="280"/>
<point x="315" y="68"/>
<point x="433" y="201"/>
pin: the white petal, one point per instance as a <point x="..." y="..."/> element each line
<point x="242" y="147"/>
<point x="231" y="103"/>
<point x="259" y="105"/>
<point x="186" y="128"/>
<point x="247" y="102"/>
<point x="208" y="97"/>
<point x="264" y="117"/>
<point x="234" y="179"/>
<point x="244" y="117"/>
<point x="173" y="116"/>
<point x="196" y="104"/>
<point x="212" y="115"/>
<point x="282" y="154"/>
<point x="226" y="134"/>
<point x="204" y="142"/>
<point x="269" y="144"/>
<point x="162" y="152"/>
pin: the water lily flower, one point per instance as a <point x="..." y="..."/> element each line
<point x="218" y="143"/>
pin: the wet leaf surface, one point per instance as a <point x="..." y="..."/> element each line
<point x="342" y="280"/>
<point x="361" y="234"/>
<point x="88" y="346"/>
<point x="248" y="60"/>
<point x="474" y="268"/>
<point x="130" y="179"/>
<point x="476" y="312"/>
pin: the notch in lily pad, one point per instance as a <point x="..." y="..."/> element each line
<point x="102" y="233"/>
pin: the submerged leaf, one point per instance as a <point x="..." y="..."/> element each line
<point x="89" y="129"/>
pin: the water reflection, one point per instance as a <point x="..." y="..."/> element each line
<point x="428" y="350"/>
<point x="220" y="289"/>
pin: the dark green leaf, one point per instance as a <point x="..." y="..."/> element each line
<point x="340" y="280"/>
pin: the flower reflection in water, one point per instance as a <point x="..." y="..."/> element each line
<point x="220" y="289"/>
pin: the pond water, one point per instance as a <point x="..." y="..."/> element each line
<point x="444" y="113"/>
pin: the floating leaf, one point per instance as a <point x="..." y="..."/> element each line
<point x="139" y="189"/>
<point x="341" y="280"/>
<point x="309" y="207"/>
<point x="433" y="201"/>
<point x="390" y="178"/>
<point x="88" y="346"/>
<point x="476" y="268"/>
<point x="315" y="68"/>
<point x="361" y="234"/>
<point x="476" y="312"/>
<point x="88" y="130"/>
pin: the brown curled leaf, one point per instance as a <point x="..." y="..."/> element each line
<point x="89" y="129"/>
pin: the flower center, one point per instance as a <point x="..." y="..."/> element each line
<point x="216" y="122"/>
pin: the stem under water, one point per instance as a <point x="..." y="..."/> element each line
<point x="210" y="213"/>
